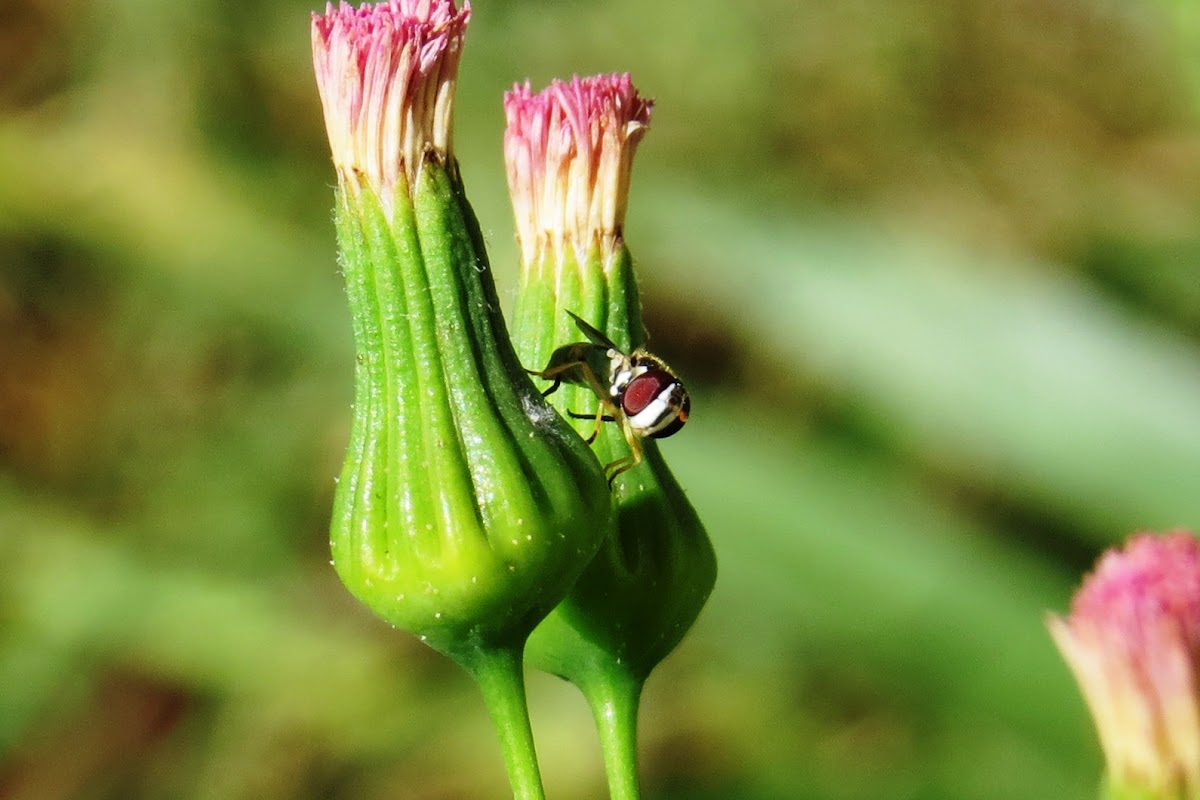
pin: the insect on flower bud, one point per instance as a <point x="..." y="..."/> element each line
<point x="569" y="151"/>
<point x="1132" y="640"/>
<point x="466" y="507"/>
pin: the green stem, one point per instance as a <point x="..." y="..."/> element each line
<point x="614" y="698"/>
<point x="498" y="671"/>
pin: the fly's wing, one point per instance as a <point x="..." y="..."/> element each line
<point x="593" y="335"/>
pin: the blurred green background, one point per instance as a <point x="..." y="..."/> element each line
<point x="929" y="267"/>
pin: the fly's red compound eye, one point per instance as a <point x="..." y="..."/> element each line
<point x="642" y="391"/>
<point x="656" y="403"/>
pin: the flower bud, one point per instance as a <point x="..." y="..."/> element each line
<point x="466" y="507"/>
<point x="569" y="151"/>
<point x="1132" y="640"/>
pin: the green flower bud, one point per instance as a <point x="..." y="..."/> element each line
<point x="569" y="152"/>
<point x="466" y="508"/>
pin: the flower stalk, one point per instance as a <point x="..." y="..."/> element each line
<point x="569" y="151"/>
<point x="1132" y="640"/>
<point x="466" y="507"/>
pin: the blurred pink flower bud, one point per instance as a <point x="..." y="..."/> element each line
<point x="1133" y="642"/>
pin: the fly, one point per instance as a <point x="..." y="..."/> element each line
<point x="637" y="390"/>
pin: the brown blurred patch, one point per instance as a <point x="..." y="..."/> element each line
<point x="100" y="744"/>
<point x="697" y="342"/>
<point x="35" y="51"/>
<point x="52" y="344"/>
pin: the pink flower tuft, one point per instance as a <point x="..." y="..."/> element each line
<point x="569" y="150"/>
<point x="1133" y="641"/>
<point x="386" y="75"/>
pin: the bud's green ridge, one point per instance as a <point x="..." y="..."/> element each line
<point x="1132" y="640"/>
<point x="466" y="507"/>
<point x="569" y="152"/>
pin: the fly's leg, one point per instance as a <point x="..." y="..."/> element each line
<point x="603" y="417"/>
<point x="630" y="461"/>
<point x="547" y="375"/>
<point x="555" y="374"/>
<point x="599" y="416"/>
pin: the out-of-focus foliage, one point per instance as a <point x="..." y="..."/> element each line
<point x="930" y="269"/>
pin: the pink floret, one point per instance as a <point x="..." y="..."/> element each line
<point x="1155" y="579"/>
<point x="386" y="74"/>
<point x="1133" y="642"/>
<point x="574" y="113"/>
<point x="569" y="150"/>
